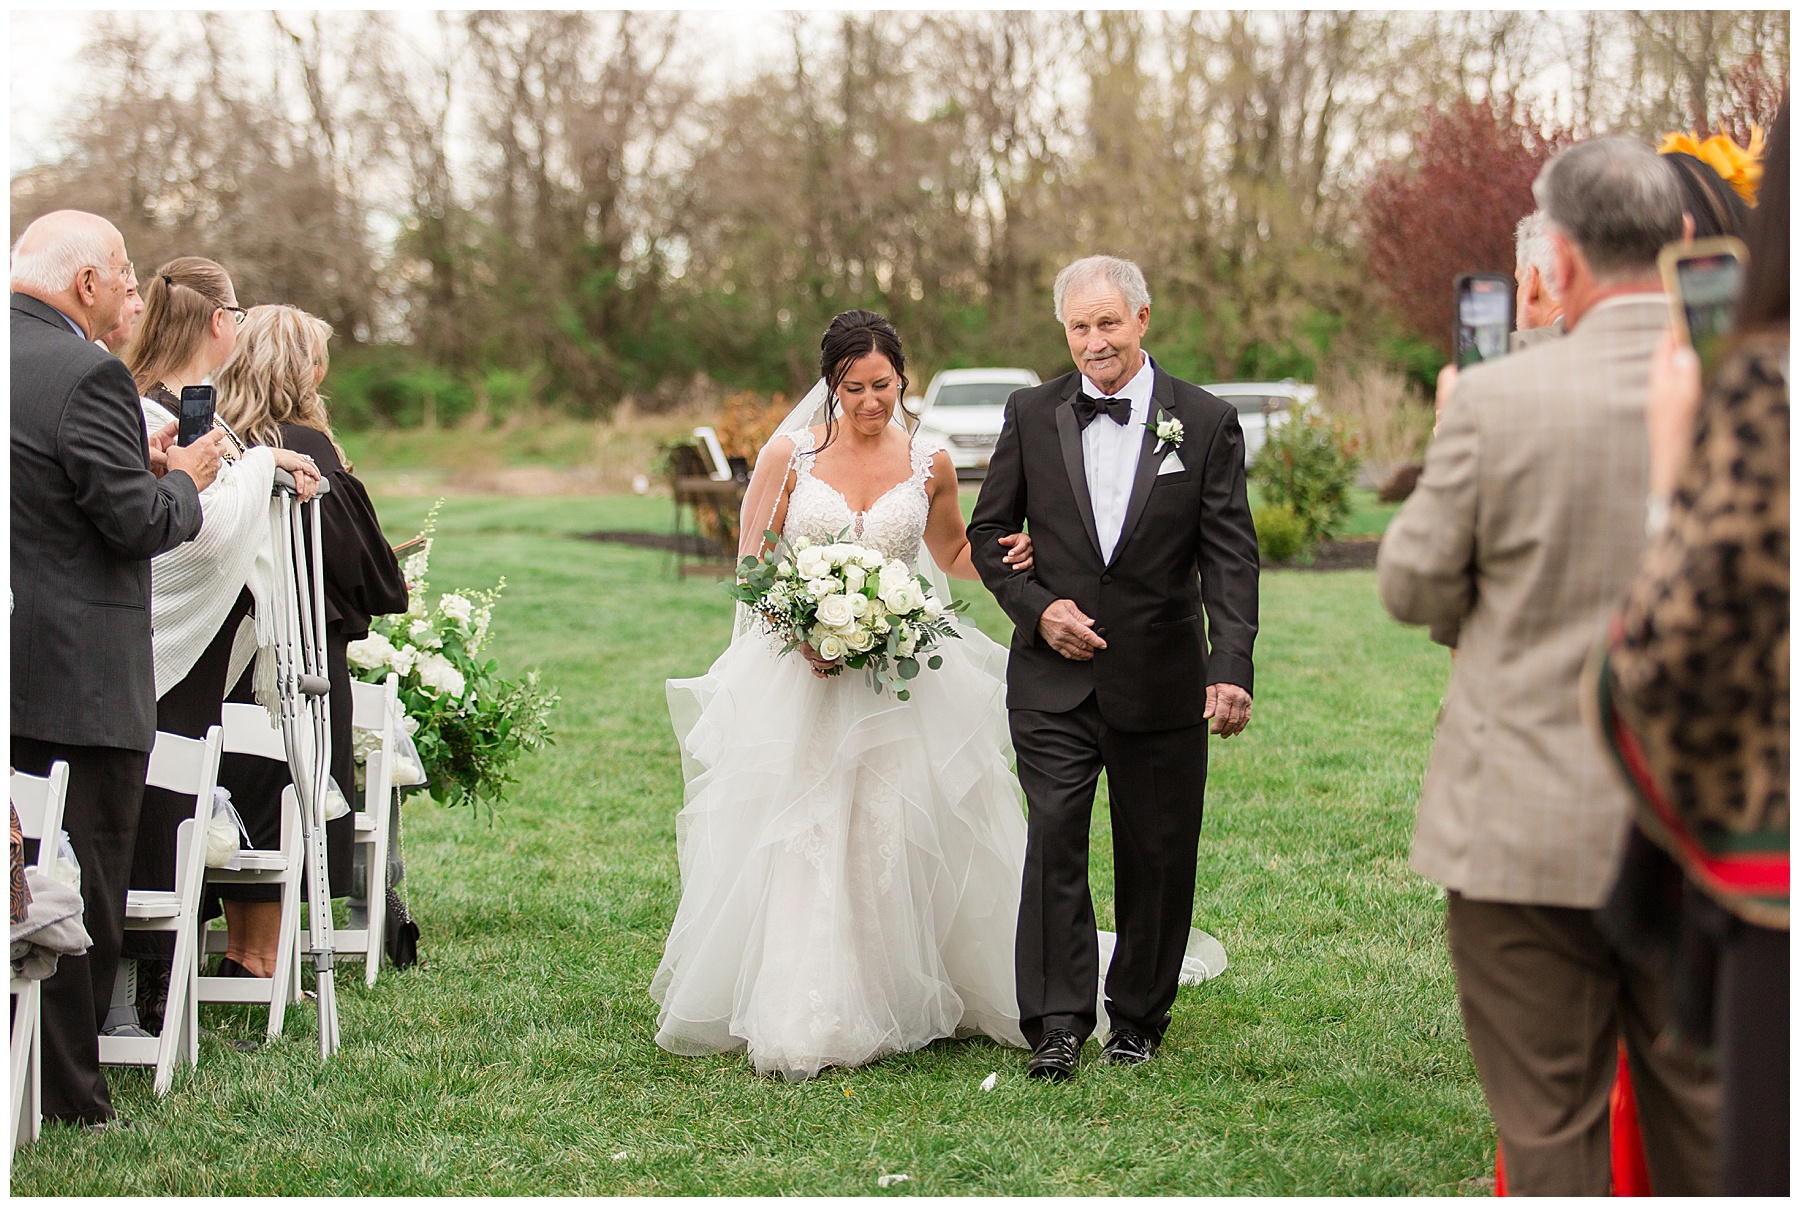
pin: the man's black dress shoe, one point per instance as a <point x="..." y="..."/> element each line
<point x="1126" y="1047"/>
<point x="1054" y="1058"/>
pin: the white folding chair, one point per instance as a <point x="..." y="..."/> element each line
<point x="374" y="708"/>
<point x="190" y="767"/>
<point x="248" y="730"/>
<point x="39" y="804"/>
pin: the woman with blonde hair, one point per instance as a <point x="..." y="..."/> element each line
<point x="269" y="395"/>
<point x="200" y="592"/>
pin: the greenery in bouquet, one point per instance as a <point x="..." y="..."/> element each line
<point x="853" y="605"/>
<point x="470" y="725"/>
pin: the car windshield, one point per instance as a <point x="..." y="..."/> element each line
<point x="976" y="394"/>
<point x="1255" y="404"/>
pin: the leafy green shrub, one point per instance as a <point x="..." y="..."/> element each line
<point x="1280" y="534"/>
<point x="1309" y="464"/>
<point x="392" y="386"/>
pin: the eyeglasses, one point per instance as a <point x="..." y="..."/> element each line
<point x="127" y="269"/>
<point x="237" y="312"/>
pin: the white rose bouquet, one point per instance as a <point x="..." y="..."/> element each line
<point x="854" y="606"/>
<point x="470" y="725"/>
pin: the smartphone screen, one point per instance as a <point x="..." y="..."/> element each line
<point x="1484" y="317"/>
<point x="1709" y="286"/>
<point x="196" y="417"/>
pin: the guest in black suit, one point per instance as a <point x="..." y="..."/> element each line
<point x="93" y="501"/>
<point x="1132" y="484"/>
<point x="269" y="394"/>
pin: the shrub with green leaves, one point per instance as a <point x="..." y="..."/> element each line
<point x="1280" y="534"/>
<point x="1309" y="464"/>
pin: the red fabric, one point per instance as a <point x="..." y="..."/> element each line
<point x="1630" y="1173"/>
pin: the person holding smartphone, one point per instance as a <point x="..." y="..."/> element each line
<point x="200" y="591"/>
<point x="1525" y="530"/>
<point x="1692" y="695"/>
<point x="269" y="395"/>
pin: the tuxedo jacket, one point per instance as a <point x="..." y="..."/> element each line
<point x="1187" y="545"/>
<point x="87" y="517"/>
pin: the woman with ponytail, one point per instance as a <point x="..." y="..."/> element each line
<point x="202" y="591"/>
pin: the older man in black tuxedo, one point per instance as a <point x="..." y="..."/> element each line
<point x="1132" y="484"/>
<point x="92" y="502"/>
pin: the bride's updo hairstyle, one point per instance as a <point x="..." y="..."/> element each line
<point x="853" y="335"/>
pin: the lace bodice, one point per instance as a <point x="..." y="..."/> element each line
<point x="894" y="524"/>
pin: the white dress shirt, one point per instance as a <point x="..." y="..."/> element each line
<point x="1110" y="453"/>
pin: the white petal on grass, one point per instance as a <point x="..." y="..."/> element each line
<point x="892" y="1179"/>
<point x="990" y="1081"/>
<point x="620" y="1156"/>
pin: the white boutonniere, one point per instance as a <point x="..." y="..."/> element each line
<point x="1169" y="432"/>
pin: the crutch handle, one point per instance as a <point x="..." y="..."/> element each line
<point x="284" y="482"/>
<point x="313" y="685"/>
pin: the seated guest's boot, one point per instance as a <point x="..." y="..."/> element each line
<point x="1055" y="1056"/>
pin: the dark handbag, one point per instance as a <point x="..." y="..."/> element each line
<point x="402" y="938"/>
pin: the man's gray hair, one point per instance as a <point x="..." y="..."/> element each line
<point x="50" y="267"/>
<point x="1127" y="277"/>
<point x="1617" y="200"/>
<point x="1534" y="249"/>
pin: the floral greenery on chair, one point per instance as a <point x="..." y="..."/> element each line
<point x="469" y="724"/>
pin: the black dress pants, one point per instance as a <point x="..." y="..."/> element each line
<point x="188" y="709"/>
<point x="1752" y="1036"/>
<point x="106" y="788"/>
<point x="1157" y="785"/>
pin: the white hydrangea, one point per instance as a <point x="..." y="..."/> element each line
<point x="403" y="659"/>
<point x="436" y="671"/>
<point x="371" y="653"/>
<point x="456" y="607"/>
<point x="423" y="634"/>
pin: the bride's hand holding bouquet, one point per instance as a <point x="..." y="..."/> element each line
<point x="846" y="606"/>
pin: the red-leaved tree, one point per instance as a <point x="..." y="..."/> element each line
<point x="1452" y="207"/>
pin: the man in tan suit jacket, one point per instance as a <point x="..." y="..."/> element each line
<point x="1526" y="527"/>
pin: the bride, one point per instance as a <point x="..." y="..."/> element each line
<point x="850" y="862"/>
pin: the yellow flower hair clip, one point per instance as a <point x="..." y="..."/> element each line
<point x="1737" y="166"/>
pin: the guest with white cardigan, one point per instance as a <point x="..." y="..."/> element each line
<point x="200" y="592"/>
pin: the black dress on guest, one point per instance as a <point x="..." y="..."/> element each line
<point x="362" y="579"/>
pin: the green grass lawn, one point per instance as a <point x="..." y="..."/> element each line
<point x="517" y="1058"/>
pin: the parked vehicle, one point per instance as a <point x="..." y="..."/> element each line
<point x="963" y="409"/>
<point x="1262" y="406"/>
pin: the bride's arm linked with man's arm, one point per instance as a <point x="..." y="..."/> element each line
<point x="951" y="542"/>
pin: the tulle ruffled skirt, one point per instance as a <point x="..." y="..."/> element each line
<point x="850" y="862"/>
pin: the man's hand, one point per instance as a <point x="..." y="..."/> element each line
<point x="1446" y="382"/>
<point x="159" y="448"/>
<point x="199" y="460"/>
<point x="1229" y="707"/>
<point x="1069" y="631"/>
<point x="1018" y="551"/>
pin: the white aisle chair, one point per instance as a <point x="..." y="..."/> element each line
<point x="188" y="766"/>
<point x="248" y="730"/>
<point x="38" y="800"/>
<point x="374" y="706"/>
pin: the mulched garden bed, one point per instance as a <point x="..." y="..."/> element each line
<point x="1352" y="553"/>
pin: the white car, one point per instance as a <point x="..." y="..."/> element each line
<point x="963" y="409"/>
<point x="1262" y="405"/>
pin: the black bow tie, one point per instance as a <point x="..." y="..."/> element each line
<point x="1088" y="408"/>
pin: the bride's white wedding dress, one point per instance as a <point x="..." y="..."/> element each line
<point x="850" y="862"/>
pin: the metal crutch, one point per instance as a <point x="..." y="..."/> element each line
<point x="304" y="687"/>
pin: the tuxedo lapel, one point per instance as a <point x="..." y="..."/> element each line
<point x="1162" y="394"/>
<point x="1070" y="433"/>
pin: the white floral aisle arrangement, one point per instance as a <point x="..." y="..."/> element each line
<point x="470" y="725"/>
<point x="853" y="605"/>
